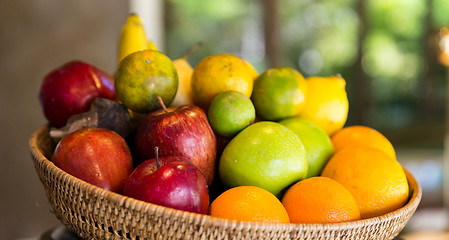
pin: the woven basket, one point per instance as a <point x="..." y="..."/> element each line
<point x="94" y="213"/>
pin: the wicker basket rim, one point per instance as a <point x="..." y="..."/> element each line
<point x="38" y="155"/>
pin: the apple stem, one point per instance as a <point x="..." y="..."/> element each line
<point x="191" y="49"/>
<point x="156" y="151"/>
<point x="162" y="104"/>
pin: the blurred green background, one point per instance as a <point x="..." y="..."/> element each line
<point x="386" y="50"/>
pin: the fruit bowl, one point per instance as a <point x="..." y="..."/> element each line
<point x="94" y="213"/>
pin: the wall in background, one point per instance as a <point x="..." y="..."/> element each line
<point x="37" y="36"/>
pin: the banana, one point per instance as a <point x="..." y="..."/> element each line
<point x="133" y="38"/>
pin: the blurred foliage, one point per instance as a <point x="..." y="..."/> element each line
<point x="322" y="38"/>
<point x="440" y="16"/>
<point x="220" y="25"/>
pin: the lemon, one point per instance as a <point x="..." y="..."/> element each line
<point x="218" y="73"/>
<point x="184" y="94"/>
<point x="152" y="46"/>
<point x="327" y="103"/>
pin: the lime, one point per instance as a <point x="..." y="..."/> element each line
<point x="266" y="155"/>
<point x="143" y="76"/>
<point x="230" y="112"/>
<point x="279" y="93"/>
<point x="318" y="145"/>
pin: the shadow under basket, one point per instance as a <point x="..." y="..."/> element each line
<point x="94" y="213"/>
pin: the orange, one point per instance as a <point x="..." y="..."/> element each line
<point x="249" y="203"/>
<point x="376" y="180"/>
<point x="320" y="200"/>
<point x="142" y="77"/>
<point x="220" y="73"/>
<point x="362" y="136"/>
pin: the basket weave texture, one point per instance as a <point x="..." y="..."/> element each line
<point x="95" y="213"/>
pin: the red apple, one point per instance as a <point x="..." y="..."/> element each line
<point x="182" y="131"/>
<point x="175" y="183"/>
<point x="98" y="156"/>
<point x="71" y="88"/>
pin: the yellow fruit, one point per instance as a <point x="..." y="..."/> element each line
<point x="327" y="103"/>
<point x="132" y="37"/>
<point x="249" y="203"/>
<point x="184" y="94"/>
<point x="320" y="200"/>
<point x="152" y="46"/>
<point x="377" y="181"/>
<point x="219" y="73"/>
<point x="251" y="69"/>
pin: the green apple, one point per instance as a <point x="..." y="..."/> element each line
<point x="265" y="154"/>
<point x="230" y="112"/>
<point x="279" y="93"/>
<point x="317" y="143"/>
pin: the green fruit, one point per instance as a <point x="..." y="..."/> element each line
<point x="279" y="93"/>
<point x="143" y="76"/>
<point x="318" y="145"/>
<point x="266" y="155"/>
<point x="230" y="112"/>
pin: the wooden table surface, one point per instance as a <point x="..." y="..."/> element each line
<point x="61" y="233"/>
<point x="424" y="235"/>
